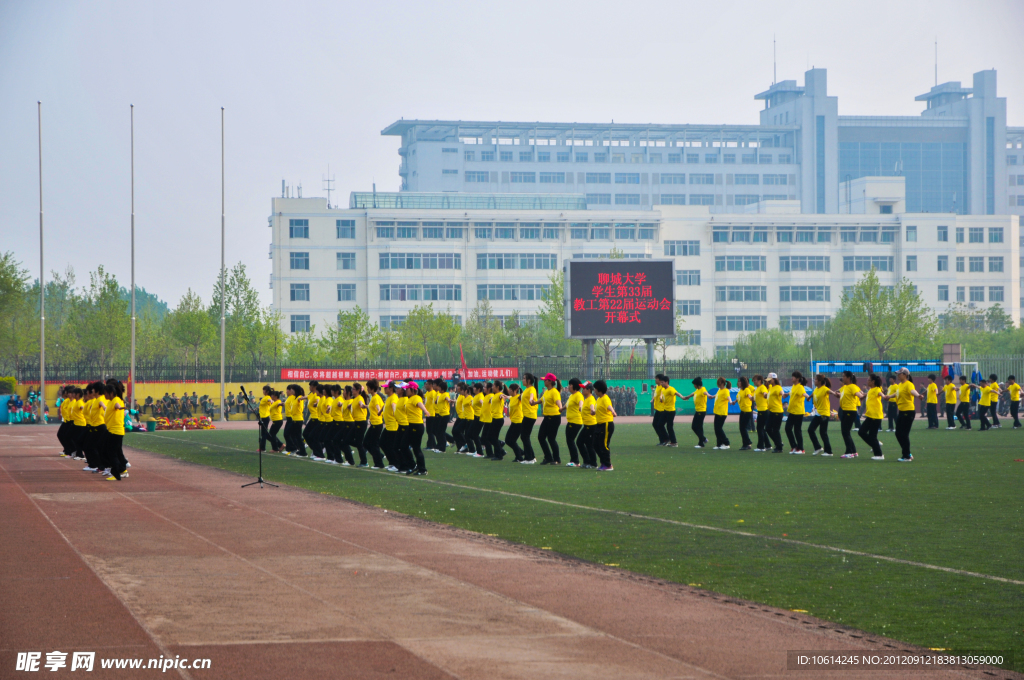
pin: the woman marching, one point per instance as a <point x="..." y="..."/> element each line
<point x="530" y="403"/>
<point x="963" y="409"/>
<point x="406" y="462"/>
<point x="77" y="413"/>
<point x="904" y="398"/>
<point x="668" y="412"/>
<point x="574" y="421"/>
<point x="872" y="418"/>
<point x="763" y="418"/>
<point x="891" y="412"/>
<point x="848" y="395"/>
<point x="993" y="381"/>
<point x="276" y="416"/>
<point x="415" y="413"/>
<point x="515" y="416"/>
<point x="486" y="418"/>
<point x="721" y="411"/>
<point x="311" y="433"/>
<point x="357" y="427"/>
<point x="797" y="409"/>
<point x="822" y="413"/>
<point x="290" y="421"/>
<point x="497" y="420"/>
<point x="464" y="415"/>
<point x="478" y="423"/>
<point x="389" y="437"/>
<point x="774" y="426"/>
<point x="375" y="415"/>
<point x="604" y="414"/>
<point x="657" y="410"/>
<point x="442" y="414"/>
<point x="96" y="428"/>
<point x="700" y="410"/>
<point x="264" y="415"/>
<point x="547" y="436"/>
<point x="745" y="398"/>
<point x="949" y="393"/>
<point x="116" y="465"/>
<point x="586" y="439"/>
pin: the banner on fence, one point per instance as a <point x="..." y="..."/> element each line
<point x="304" y="374"/>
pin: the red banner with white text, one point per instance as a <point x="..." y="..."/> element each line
<point x="306" y="374"/>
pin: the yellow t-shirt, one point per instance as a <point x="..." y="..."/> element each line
<point x="797" y="397"/>
<point x="376" y="403"/>
<point x="390" y="409"/>
<point x="442" y="404"/>
<point x="891" y="390"/>
<point x="530" y="410"/>
<point x="658" y="406"/>
<point x="99" y="410"/>
<point x="551" y="399"/>
<point x="346" y="410"/>
<point x="905" y="396"/>
<point x="114" y="416"/>
<point x="848" y="397"/>
<point x="515" y="408"/>
<point x="986" y="396"/>
<point x="478" y="404"/>
<point x="874" y="406"/>
<point x="276" y="410"/>
<point x="950" y="392"/>
<point x="604" y="410"/>
<point x="722" y="402"/>
<point x="700" y="399"/>
<point x="401" y="412"/>
<point x="289" y="406"/>
<point x="357" y="409"/>
<point x="822" y="404"/>
<point x="497" y="407"/>
<point x="78" y="413"/>
<point x="588" y="417"/>
<point x="965" y="394"/>
<point x="329" y="407"/>
<point x="572" y="408"/>
<point x="761" y="398"/>
<point x="745" y="398"/>
<point x="485" y="408"/>
<point x="429" y="399"/>
<point x="467" y="407"/>
<point x="1014" y="390"/>
<point x="933" y="393"/>
<point x="668" y="396"/>
<point x="775" y="398"/>
<point x="460" y="406"/>
<point x="265" y="406"/>
<point x="412" y="409"/>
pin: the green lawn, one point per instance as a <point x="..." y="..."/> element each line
<point x="958" y="505"/>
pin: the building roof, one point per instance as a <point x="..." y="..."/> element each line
<point x="458" y="201"/>
<point x="471" y="128"/>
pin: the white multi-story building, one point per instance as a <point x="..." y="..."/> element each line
<point x="771" y="266"/>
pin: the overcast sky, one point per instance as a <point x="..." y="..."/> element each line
<point x="306" y="84"/>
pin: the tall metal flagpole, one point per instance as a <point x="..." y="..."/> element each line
<point x="223" y="295"/>
<point x="42" y="279"/>
<point x="131" y="376"/>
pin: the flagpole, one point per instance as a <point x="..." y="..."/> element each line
<point x="131" y="372"/>
<point x="42" y="279"/>
<point x="222" y="291"/>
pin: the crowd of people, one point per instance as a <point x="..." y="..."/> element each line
<point x="93" y="422"/>
<point x="172" y="406"/>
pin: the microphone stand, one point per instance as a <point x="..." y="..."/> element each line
<point x="266" y="437"/>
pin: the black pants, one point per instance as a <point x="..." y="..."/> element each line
<point x="459" y="432"/>
<point x="963" y="414"/>
<point x="904" y="422"/>
<point x="869" y="433"/>
<point x="774" y="430"/>
<point x="668" y="421"/>
<point x="311" y="434"/>
<point x="388" y="441"/>
<point x="64" y="437"/>
<point x="762" y="430"/>
<point x="983" y="417"/>
<point x="548" y="438"/>
<point x="356" y="432"/>
<point x="345" y="439"/>
<point x="527" y="431"/>
<point x="698" y="427"/>
<point x="891" y="414"/>
<point x="820" y="424"/>
<point x="473" y="433"/>
<point x="720" y="438"/>
<point x="659" y="428"/>
<point x="586" y="444"/>
<point x="1014" y="412"/>
<point x="994" y="412"/>
<point x="602" y="442"/>
<point x="484" y="438"/>
<point x="933" y="415"/>
<point x="415" y="438"/>
<point x="846" y="420"/>
<point x="114" y="455"/>
<point x="494" y="436"/>
<point x="78" y="435"/>
<point x="264" y="426"/>
<point x="371" y="444"/>
<point x="512" y="435"/>
<point x="572" y="431"/>
<point x="429" y="427"/>
<point x="795" y="431"/>
<point x="745" y="418"/>
<point x="93" y="444"/>
<point x="950" y="415"/>
<point x="275" y="427"/>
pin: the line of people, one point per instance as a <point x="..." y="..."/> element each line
<point x="93" y="427"/>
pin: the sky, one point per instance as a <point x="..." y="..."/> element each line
<point x="305" y="85"/>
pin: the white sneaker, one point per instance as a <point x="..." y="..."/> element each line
<point x="392" y="468"/>
<point x="128" y="464"/>
<point x="716" y="448"/>
<point x="106" y="471"/>
<point x="817" y="451"/>
<point x="478" y="455"/>
<point x="698" y="446"/>
<point x="89" y="469"/>
<point x="826" y="455"/>
<point x="950" y="428"/>
<point x="877" y="457"/>
<point x="345" y="463"/>
<point x="528" y="462"/>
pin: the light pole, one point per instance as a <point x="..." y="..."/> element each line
<point x="131" y="372"/>
<point x="223" y="292"/>
<point x="42" y="279"/>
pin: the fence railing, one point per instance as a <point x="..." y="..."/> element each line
<point x="1001" y="365"/>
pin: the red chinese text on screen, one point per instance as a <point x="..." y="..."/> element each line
<point x="622" y="297"/>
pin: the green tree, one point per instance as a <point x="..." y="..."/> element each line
<point x="418" y="330"/>
<point x="103" y="323"/>
<point x="191" y="327"/>
<point x="305" y="348"/>
<point x="482" y="330"/>
<point x="351" y="338"/>
<point x="63" y="341"/>
<point x="767" y="344"/>
<point x="447" y="333"/>
<point x="517" y="338"/>
<point x="19" y="331"/>
<point x="891" y="318"/>
<point x="550" y="330"/>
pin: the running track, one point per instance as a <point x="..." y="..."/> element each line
<point x="272" y="583"/>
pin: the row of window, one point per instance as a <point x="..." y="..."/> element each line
<point x="760" y="294"/>
<point x="299" y="292"/>
<point x="973" y="294"/>
<point x="483" y="176"/>
<point x="299" y="228"/>
<point x="516" y="261"/>
<point x="603" y="157"/>
<point x="415" y="291"/>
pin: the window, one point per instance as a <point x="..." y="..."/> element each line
<point x="514" y="291"/>
<point x="764" y="159"/>
<point x="507" y="233"/>
<point x="346" y="292"/>
<point x="298" y="260"/>
<point x="943" y="293"/>
<point x="538" y="261"/>
<point x="599" y="178"/>
<point x="885" y="210"/>
<point x="552" y="233"/>
<point x="995" y="293"/>
<point x="824" y="235"/>
<point x="627" y="199"/>
<point x="702" y="199"/>
<point x="995" y="235"/>
<point x="780" y="180"/>
<point x="686" y="338"/>
<point x="864" y="263"/>
<point x="524" y="177"/>
<point x="600" y="234"/>
<point x="740" y="263"/>
<point x="688" y="277"/>
<point x="889" y="234"/>
<point x="448" y="149"/>
<point x="599" y="199"/>
<point x="784" y="235"/>
<point x="562" y="157"/>
<point x="346" y="260"/>
<point x="299" y="292"/>
<point x="602" y="158"/>
<point x="976" y="235"/>
<point x="740" y="235"/>
<point x="746" y="179"/>
<point x="495" y="261"/>
<point x="942" y="264"/>
<point x="785" y="158"/>
<point x="477" y="176"/>
<point x="414" y="291"/>
<point x="421" y="260"/>
<point x="977" y="294"/>
<point x="552" y="178"/>
<point x="682" y="248"/>
<point x="975" y="264"/>
<point x="942" y="234"/>
<point x="805" y="235"/>
<point x="741" y="293"/>
<point x="746" y="199"/>
<point x="625" y="233"/>
<point x="298" y="228"/>
<point x="805" y="263"/>
<point x="741" y="323"/>
<point x="487" y="155"/>
<point x="627" y="178"/>
<point x="911" y="263"/>
<point x="578" y="232"/>
<point x="391" y="322"/>
<point x="346" y="228"/>
<point x="687" y="307"/>
<point x="959" y="234"/>
<point x="960" y="264"/>
<point x="729" y="158"/>
<point x="454" y="232"/>
<point x="911" y="233"/>
<point x="581" y="157"/>
<point x="869" y="235"/>
<point x="482" y="232"/>
<point x="700" y="178"/>
<point x="300" y="323"/>
<point x="673" y="178"/>
<point x="469" y="155"/>
<point x="529" y="234"/>
<point x="760" y="235"/>
<point x="646" y="232"/>
<point x="407" y="232"/>
<point x="748" y="158"/>
<point x="995" y="264"/>
<point x="960" y="294"/>
<point x="385" y="232"/>
<point x="693" y="158"/>
<point x="675" y="158"/>
<point x="848" y="234"/>
<point x="805" y="294"/>
<point x="505" y="156"/>
<point x="525" y="156"/>
<point x="433" y="232"/>
<point x="447" y="171"/>
<point x="801" y="323"/>
<point x="543" y="156"/>
<point x="720" y="235"/>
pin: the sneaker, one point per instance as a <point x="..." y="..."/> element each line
<point x="672" y="445"/>
<point x="529" y="462"/>
<point x="758" y="450"/>
<point x="462" y="450"/>
<point x="477" y="455"/>
<point x="556" y="462"/>
<point x="816" y="452"/>
<point x="89" y="469"/>
<point x="345" y="463"/>
<point x="848" y="455"/>
<point x="106" y="471"/>
<point x="605" y="468"/>
<point x="797" y="452"/>
<point x="699" y="446"/>
<point x="391" y="468"/>
<point x="776" y="450"/>
<point x="877" y="457"/>
<point x="379" y="467"/>
<point x="726" y="447"/>
<point x="745" y="448"/>
<point x="905" y="460"/>
<point x="124" y="475"/>
<point x="826" y="455"/>
<point x="571" y="464"/>
<point x="546" y="462"/>
<point x="950" y="428"/>
<point x="587" y="466"/>
<point x="112" y="478"/>
<point x="716" y="448"/>
<point x="419" y="473"/>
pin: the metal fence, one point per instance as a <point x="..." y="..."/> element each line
<point x="1001" y="365"/>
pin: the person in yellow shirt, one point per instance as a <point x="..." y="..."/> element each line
<point x="872" y="417"/>
<point x="359" y="411"/>
<point x="932" y="403"/>
<point x="656" y="411"/>
<point x="289" y="419"/>
<point x="904" y="399"/>
<point x="745" y="399"/>
<point x="723" y="398"/>
<point x="416" y="413"/>
<point x="848" y="398"/>
<point x="331" y="419"/>
<point x="668" y="411"/>
<point x="775" y="411"/>
<point x="264" y="416"/>
<point x="552" y="411"/>
<point x="442" y="414"/>
<point x="573" y="421"/>
<point x="389" y="436"/>
<point x="64" y="400"/>
<point x="429" y="401"/>
<point x="276" y="415"/>
<point x="700" y="409"/>
<point x="406" y="461"/>
<point x="820" y="398"/>
<point x="486" y="418"/>
<point x="96" y="434"/>
<point x="116" y="464"/>
<point x="963" y="408"/>
<point x="604" y="414"/>
<point x="993" y="402"/>
<point x="460" y="430"/>
<point x="797" y="410"/>
<point x="949" y="394"/>
<point x="375" y="417"/>
<point x="78" y="427"/>
<point x="588" y="411"/>
<point x="891" y="412"/>
<point x="530" y="403"/>
<point x="345" y="422"/>
<point x="1013" y="387"/>
<point x="761" y="407"/>
<point x="311" y="433"/>
<point x="515" y="416"/>
<point x="478" y="423"/>
<point x="984" y="403"/>
<point x="497" y="406"/>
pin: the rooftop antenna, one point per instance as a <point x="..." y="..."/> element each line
<point x="936" y="61"/>
<point x="329" y="185"/>
<point x="774" y="61"/>
<point x="374" y="194"/>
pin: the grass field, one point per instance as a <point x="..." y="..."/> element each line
<point x="958" y="506"/>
